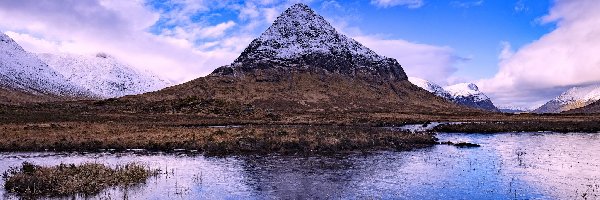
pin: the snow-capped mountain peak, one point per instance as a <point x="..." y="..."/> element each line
<point x="466" y="90"/>
<point x="574" y="97"/>
<point x="104" y="75"/>
<point x="24" y="71"/>
<point x="430" y="87"/>
<point x="300" y="31"/>
<point x="467" y="94"/>
<point x="300" y="38"/>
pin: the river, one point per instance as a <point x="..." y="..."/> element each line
<point x="506" y="166"/>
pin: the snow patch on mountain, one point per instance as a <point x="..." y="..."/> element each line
<point x="575" y="97"/>
<point x="104" y="75"/>
<point x="430" y="87"/>
<point x="514" y="109"/>
<point x="300" y="31"/>
<point x="466" y="90"/>
<point x="24" y="71"/>
<point x="467" y="94"/>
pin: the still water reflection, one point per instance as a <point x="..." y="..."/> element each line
<point x="507" y="166"/>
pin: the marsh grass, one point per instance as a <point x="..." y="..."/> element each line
<point x="29" y="180"/>
<point x="521" y="126"/>
<point x="216" y="141"/>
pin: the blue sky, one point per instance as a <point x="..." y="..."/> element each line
<point x="520" y="52"/>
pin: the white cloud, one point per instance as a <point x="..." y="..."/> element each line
<point x="189" y="49"/>
<point x="119" y="28"/>
<point x="466" y="4"/>
<point x="429" y="62"/>
<point x="565" y="57"/>
<point x="391" y="3"/>
<point x="218" y="30"/>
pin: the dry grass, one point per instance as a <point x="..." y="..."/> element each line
<point x="211" y="140"/>
<point x="31" y="180"/>
<point x="521" y="126"/>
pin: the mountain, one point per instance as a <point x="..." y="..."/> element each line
<point x="301" y="40"/>
<point x="301" y="65"/>
<point x="27" y="78"/>
<point x="573" y="98"/>
<point x="103" y="75"/>
<point x="466" y="94"/>
<point x="431" y="87"/>
<point x="514" y="109"/>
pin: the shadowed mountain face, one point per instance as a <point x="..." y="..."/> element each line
<point x="302" y="64"/>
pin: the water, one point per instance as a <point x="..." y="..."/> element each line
<point x="507" y="166"/>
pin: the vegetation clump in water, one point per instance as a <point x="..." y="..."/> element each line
<point x="70" y="179"/>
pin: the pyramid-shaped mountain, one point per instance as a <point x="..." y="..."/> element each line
<point x="300" y="39"/>
<point x="300" y="65"/>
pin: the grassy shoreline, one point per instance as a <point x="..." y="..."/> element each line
<point x="33" y="181"/>
<point x="521" y="126"/>
<point x="209" y="140"/>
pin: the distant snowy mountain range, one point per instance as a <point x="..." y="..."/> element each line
<point x="467" y="94"/>
<point x="514" y="109"/>
<point x="72" y="76"/>
<point x="104" y="75"/>
<point x="25" y="72"/>
<point x="575" y="97"/>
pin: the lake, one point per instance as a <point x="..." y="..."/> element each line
<point x="506" y="166"/>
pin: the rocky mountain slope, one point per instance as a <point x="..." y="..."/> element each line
<point x="27" y="78"/>
<point x="573" y="98"/>
<point x="302" y="65"/>
<point x="466" y="94"/>
<point x="103" y="75"/>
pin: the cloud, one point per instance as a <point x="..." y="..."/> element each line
<point x="565" y="57"/>
<point x="520" y="6"/>
<point x="429" y="62"/>
<point x="121" y="28"/>
<point x="466" y="4"/>
<point x="392" y="3"/>
<point x="184" y="39"/>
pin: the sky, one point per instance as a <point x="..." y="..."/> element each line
<point x="519" y="52"/>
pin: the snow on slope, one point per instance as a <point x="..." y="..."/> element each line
<point x="466" y="90"/>
<point x="467" y="94"/>
<point x="514" y="109"/>
<point x="430" y="86"/>
<point x="575" y="97"/>
<point x="24" y="71"/>
<point x="301" y="39"/>
<point x="104" y="75"/>
<point x="299" y="31"/>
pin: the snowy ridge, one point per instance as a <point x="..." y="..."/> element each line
<point x="24" y="71"/>
<point x="300" y="31"/>
<point x="430" y="87"/>
<point x="466" y="90"/>
<point x="514" y="109"/>
<point x="575" y="97"/>
<point x="467" y="94"/>
<point x="104" y="75"/>
<point x="301" y="39"/>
